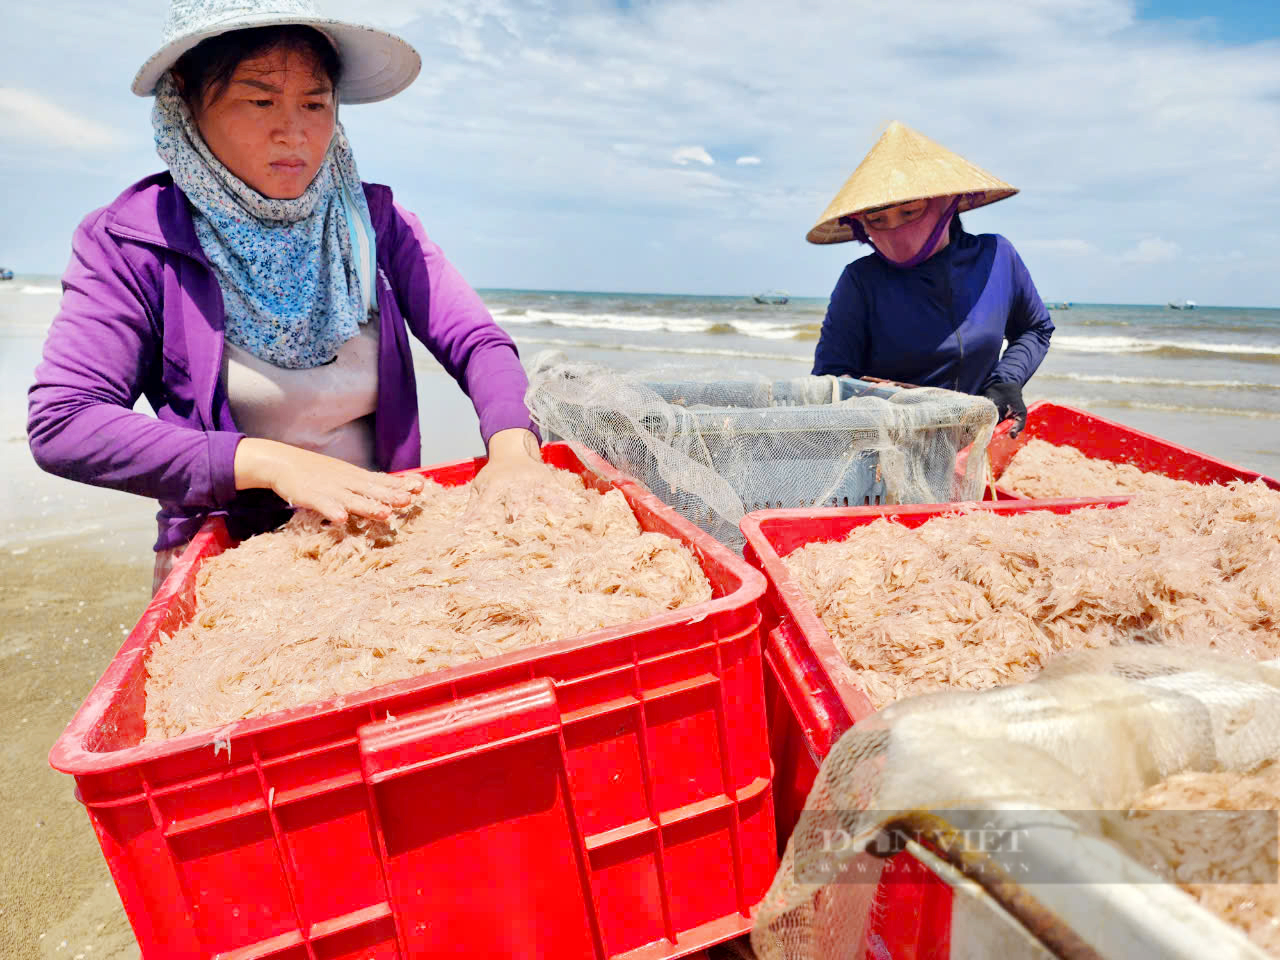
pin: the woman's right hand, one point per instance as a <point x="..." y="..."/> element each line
<point x="332" y="488"/>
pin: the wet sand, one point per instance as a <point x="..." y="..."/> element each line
<point x="75" y="575"/>
<point x="66" y="606"/>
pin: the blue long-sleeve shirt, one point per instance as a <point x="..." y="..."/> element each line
<point x="939" y="324"/>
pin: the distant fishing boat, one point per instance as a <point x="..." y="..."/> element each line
<point x="1182" y="304"/>
<point x="772" y="297"/>
<point x="1063" y="305"/>
<point x="6" y="274"/>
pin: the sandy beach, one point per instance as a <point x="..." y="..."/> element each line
<point x="66" y="605"/>
<point x="74" y="576"/>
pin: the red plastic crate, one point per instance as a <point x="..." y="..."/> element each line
<point x="600" y="796"/>
<point x="1105" y="439"/>
<point x="814" y="698"/>
<point x="808" y="674"/>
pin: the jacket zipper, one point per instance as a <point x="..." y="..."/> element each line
<point x="955" y="326"/>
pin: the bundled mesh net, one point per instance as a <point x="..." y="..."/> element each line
<point x="1066" y="755"/>
<point x="716" y="449"/>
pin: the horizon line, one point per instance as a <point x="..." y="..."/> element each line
<point x="747" y="296"/>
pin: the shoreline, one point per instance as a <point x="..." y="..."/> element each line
<point x="75" y="575"/>
<point x="67" y="607"/>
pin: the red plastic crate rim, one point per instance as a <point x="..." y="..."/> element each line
<point x="627" y="769"/>
<point x="1104" y="439"/>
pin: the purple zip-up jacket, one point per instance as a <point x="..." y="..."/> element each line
<point x="141" y="314"/>
<point x="941" y="323"/>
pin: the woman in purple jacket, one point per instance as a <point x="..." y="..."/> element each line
<point x="933" y="305"/>
<point x="259" y="295"/>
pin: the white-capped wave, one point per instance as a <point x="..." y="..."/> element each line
<point x="1158" y="381"/>
<point x="39" y="291"/>
<point x="647" y="323"/>
<point x="1089" y="403"/>
<point x="767" y="331"/>
<point x="660" y="348"/>
<point x="635" y="323"/>
<point x="1140" y="345"/>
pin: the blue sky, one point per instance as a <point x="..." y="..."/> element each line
<point x="1231" y="21"/>
<point x="688" y="145"/>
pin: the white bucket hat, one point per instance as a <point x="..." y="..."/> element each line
<point x="375" y="65"/>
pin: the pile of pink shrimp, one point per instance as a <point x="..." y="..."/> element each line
<point x="314" y="610"/>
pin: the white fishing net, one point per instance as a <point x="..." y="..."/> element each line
<point x="1062" y="758"/>
<point x="716" y="448"/>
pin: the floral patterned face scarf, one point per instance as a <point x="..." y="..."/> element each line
<point x="296" y="275"/>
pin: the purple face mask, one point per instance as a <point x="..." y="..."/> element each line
<point x="912" y="243"/>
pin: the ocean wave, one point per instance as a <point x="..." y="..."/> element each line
<point x="1167" y="347"/>
<point x="39" y="291"/>
<point x="1104" y="321"/>
<point x="1089" y="402"/>
<point x="1262" y="326"/>
<point x="1158" y="381"/>
<point x="648" y="323"/>
<point x="660" y="348"/>
<point x="633" y="323"/>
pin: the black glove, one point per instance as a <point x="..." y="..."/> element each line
<point x="1008" y="400"/>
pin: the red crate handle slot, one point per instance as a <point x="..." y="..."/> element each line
<point x="401" y="745"/>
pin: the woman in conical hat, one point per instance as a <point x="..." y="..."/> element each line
<point x="933" y="304"/>
<point x="260" y="296"/>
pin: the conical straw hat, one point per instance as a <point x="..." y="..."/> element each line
<point x="905" y="165"/>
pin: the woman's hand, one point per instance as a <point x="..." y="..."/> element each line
<point x="515" y="470"/>
<point x="1009" y="406"/>
<point x="332" y="488"/>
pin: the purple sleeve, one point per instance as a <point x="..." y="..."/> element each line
<point x="452" y="321"/>
<point x="102" y="349"/>
<point x="1027" y="329"/>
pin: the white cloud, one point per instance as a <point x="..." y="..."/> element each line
<point x="687" y="155"/>
<point x="1151" y="250"/>
<point x="28" y="117"/>
<point x="749" y="161"/>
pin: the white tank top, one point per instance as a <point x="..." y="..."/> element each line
<point x="326" y="409"/>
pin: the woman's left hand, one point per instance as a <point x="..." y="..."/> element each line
<point x="1009" y="406"/>
<point x="515" y="472"/>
